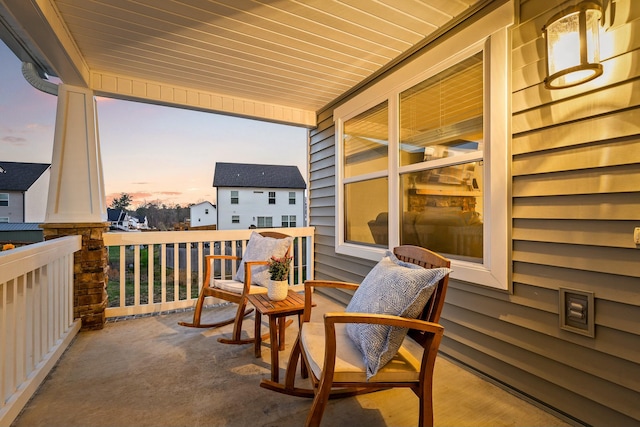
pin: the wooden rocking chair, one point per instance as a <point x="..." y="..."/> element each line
<point x="233" y="290"/>
<point x="335" y="364"/>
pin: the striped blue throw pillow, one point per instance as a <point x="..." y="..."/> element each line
<point x="391" y="287"/>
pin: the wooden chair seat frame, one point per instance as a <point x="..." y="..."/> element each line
<point x="425" y="331"/>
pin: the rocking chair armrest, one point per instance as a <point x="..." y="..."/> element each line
<point x="310" y="285"/>
<point x="249" y="264"/>
<point x="383" y="319"/>
<point x="331" y="284"/>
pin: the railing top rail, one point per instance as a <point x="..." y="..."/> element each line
<point x="159" y="237"/>
<point x="19" y="261"/>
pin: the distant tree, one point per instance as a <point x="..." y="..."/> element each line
<point x="122" y="202"/>
<point x="161" y="216"/>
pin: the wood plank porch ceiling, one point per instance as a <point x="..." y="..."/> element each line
<point x="280" y="60"/>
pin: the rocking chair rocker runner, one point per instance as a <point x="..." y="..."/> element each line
<point x="250" y="278"/>
<point x="341" y="355"/>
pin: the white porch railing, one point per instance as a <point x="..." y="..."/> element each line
<point x="36" y="317"/>
<point x="151" y="272"/>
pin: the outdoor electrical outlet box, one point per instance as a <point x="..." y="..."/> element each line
<point x="577" y="311"/>
<point x="636" y="235"/>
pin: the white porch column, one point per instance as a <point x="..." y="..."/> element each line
<point x="76" y="187"/>
<point x="76" y="203"/>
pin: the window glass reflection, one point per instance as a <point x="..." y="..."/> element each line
<point x="442" y="210"/>
<point x="364" y="202"/>
<point x="366" y="142"/>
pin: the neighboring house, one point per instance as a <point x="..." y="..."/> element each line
<point x="23" y="191"/>
<point x="262" y="196"/>
<point x="143" y="223"/>
<point x="118" y="219"/>
<point x="137" y="223"/>
<point x="203" y="215"/>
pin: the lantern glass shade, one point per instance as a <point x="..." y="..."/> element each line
<point x="572" y="46"/>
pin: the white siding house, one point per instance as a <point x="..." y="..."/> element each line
<point x="203" y="214"/>
<point x="262" y="196"/>
<point x="23" y="191"/>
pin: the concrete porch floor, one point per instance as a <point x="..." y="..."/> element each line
<point x="152" y="372"/>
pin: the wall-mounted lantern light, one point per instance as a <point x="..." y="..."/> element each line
<point x="572" y="46"/>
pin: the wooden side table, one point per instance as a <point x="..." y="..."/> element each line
<point x="277" y="312"/>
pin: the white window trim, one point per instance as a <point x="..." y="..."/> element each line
<point x="489" y="33"/>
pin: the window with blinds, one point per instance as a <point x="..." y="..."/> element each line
<point x="441" y="128"/>
<point x="442" y="116"/>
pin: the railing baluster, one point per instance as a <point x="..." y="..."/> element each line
<point x="44" y="310"/>
<point x="36" y="303"/>
<point x="200" y="265"/>
<point x="29" y="322"/>
<point x="176" y="272"/>
<point x="3" y="341"/>
<point x="10" y="367"/>
<point x="18" y="292"/>
<point x="187" y="252"/>
<point x="55" y="294"/>
<point x="223" y="263"/>
<point x="136" y="274"/>
<point x="163" y="273"/>
<point x="150" y="276"/>
<point x="51" y="304"/>
<point x="68" y="285"/>
<point x="123" y="276"/>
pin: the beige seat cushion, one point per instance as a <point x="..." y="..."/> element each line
<point x="237" y="287"/>
<point x="404" y="367"/>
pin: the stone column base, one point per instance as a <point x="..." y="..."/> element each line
<point x="89" y="272"/>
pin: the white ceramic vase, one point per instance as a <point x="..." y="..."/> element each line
<point x="277" y="290"/>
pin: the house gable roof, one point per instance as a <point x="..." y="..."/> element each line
<point x="114" y="215"/>
<point x="203" y="204"/>
<point x="256" y="175"/>
<point x="17" y="176"/>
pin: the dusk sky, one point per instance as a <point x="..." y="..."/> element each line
<point x="150" y="152"/>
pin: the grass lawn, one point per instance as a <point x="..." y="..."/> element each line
<point x="113" y="285"/>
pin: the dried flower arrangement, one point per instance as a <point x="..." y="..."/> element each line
<point x="279" y="267"/>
